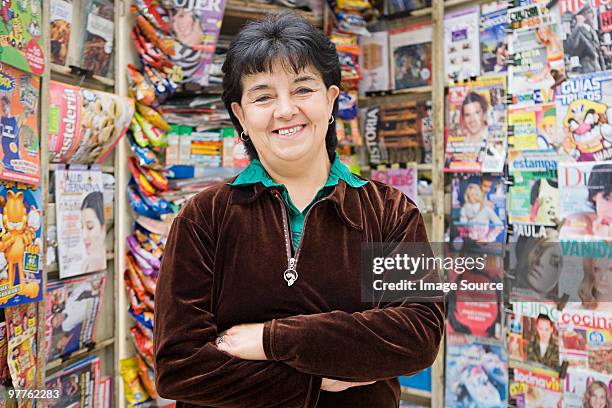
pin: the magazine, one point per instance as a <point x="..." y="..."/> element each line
<point x="97" y="49"/>
<point x="410" y="53"/>
<point x="85" y="125"/>
<point x="21" y="40"/>
<point x="61" y="28"/>
<point x="404" y="178"/>
<point x="584" y="189"/>
<point x="476" y="373"/>
<point x="195" y="29"/>
<point x="537" y="60"/>
<point x="5" y="374"/>
<point x="584" y="388"/>
<point x="493" y="38"/>
<point x="586" y="337"/>
<point x="81" y="229"/>
<point x="461" y="44"/>
<point x="477" y="313"/>
<point x="532" y="333"/>
<point x="534" y="193"/>
<point x="20" y="152"/>
<point x="105" y="394"/>
<point x="586" y="27"/>
<point x="20" y="244"/>
<point x="535" y="262"/>
<point x="78" y="383"/>
<point x="533" y="128"/>
<point x="73" y="307"/>
<point x="22" y="351"/>
<point x="535" y="387"/>
<point x="584" y="116"/>
<point x="374" y="62"/>
<point x="478" y="213"/>
<point x="477" y="126"/>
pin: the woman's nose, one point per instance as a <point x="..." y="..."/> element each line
<point x="285" y="109"/>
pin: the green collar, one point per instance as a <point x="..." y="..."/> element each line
<point x="256" y="173"/>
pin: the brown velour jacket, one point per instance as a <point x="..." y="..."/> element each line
<point x="223" y="265"/>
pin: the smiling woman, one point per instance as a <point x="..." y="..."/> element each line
<point x="259" y="301"/>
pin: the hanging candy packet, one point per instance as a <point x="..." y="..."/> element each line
<point x="152" y="116"/>
<point x="134" y="391"/>
<point x="144" y="186"/>
<point x="148" y="281"/>
<point x="154" y="135"/>
<point x="137" y="204"/>
<point x="135" y="303"/>
<point x="153" y="14"/>
<point x="143" y="345"/>
<point x="135" y="248"/>
<point x="147" y="376"/>
<point x="145" y="156"/>
<point x="165" y="44"/>
<point x="148" y="244"/>
<point x="141" y="90"/>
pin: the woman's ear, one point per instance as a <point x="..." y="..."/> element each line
<point x="239" y="113"/>
<point x="332" y="93"/>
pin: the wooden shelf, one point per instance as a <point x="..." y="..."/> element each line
<point x="59" y="363"/>
<point x="416" y="392"/>
<point x="257" y="11"/>
<point x="64" y="74"/>
<point x="105" y="169"/>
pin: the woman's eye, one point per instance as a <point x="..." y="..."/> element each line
<point x="304" y="91"/>
<point x="262" y="98"/>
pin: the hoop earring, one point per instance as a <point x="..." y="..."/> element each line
<point x="332" y="120"/>
<point x="242" y="135"/>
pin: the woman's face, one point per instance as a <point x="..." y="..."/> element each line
<point x="474" y="118"/>
<point x="544" y="267"/>
<point x="187" y="28"/>
<point x="286" y="115"/>
<point x="598" y="398"/>
<point x="474" y="195"/>
<point x="501" y="54"/>
<point x="92" y="230"/>
<point x="602" y="278"/>
<point x="545" y="330"/>
<point x="603" y="205"/>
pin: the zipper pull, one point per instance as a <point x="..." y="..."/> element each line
<point x="291" y="274"/>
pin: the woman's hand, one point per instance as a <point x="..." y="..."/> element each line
<point x="243" y="341"/>
<point x="336" y="386"/>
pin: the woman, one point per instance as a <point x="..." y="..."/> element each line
<point x="94" y="231"/>
<point x="543" y="346"/>
<point x="597" y="395"/>
<point x="595" y="290"/>
<point x="258" y="302"/>
<point x="481" y="220"/>
<point x="539" y="264"/>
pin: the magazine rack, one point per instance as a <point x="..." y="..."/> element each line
<point x="113" y="343"/>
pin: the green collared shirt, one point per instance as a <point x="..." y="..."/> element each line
<point x="256" y="173"/>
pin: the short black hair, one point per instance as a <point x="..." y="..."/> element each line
<point x="290" y="39"/>
<point x="95" y="201"/>
<point x="600" y="181"/>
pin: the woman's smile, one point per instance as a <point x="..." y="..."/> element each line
<point x="289" y="132"/>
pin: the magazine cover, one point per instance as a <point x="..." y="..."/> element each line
<point x="21" y="42"/>
<point x="78" y="384"/>
<point x="20" y="153"/>
<point x="81" y="229"/>
<point x="493" y="38"/>
<point x="404" y="178"/>
<point x="97" y="17"/>
<point x="374" y="62"/>
<point x="461" y="44"/>
<point x="476" y="312"/>
<point x="410" y="53"/>
<point x="584" y="116"/>
<point x="5" y="374"/>
<point x="586" y="337"/>
<point x="476" y="373"/>
<point x="85" y="125"/>
<point x="584" y="189"/>
<point x="20" y="244"/>
<point x="535" y="262"/>
<point x="534" y="192"/>
<point x="533" y="337"/>
<point x="535" y="387"/>
<point x="195" y="29"/>
<point x="478" y="213"/>
<point x="537" y="60"/>
<point x="584" y="388"/>
<point x="61" y="27"/>
<point x="105" y="394"/>
<point x="586" y="28"/>
<point x="533" y="128"/>
<point x="73" y="307"/>
<point x="476" y="118"/>
<point x="21" y="322"/>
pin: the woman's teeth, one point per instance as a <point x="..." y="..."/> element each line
<point x="290" y="130"/>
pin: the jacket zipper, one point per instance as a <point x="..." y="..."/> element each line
<point x="290" y="273"/>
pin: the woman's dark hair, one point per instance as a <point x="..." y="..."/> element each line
<point x="287" y="38"/>
<point x="474" y="97"/>
<point x="600" y="181"/>
<point x="95" y="201"/>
